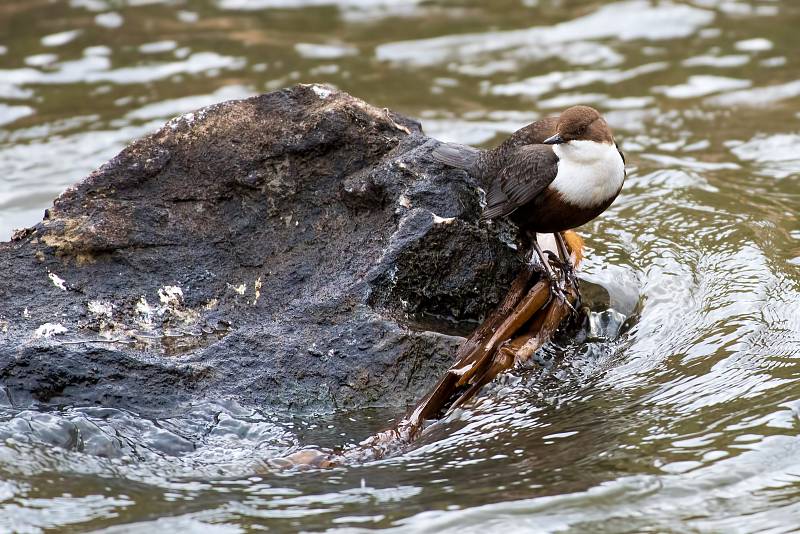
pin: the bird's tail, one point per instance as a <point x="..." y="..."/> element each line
<point x="455" y="155"/>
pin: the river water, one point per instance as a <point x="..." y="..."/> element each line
<point x="687" y="421"/>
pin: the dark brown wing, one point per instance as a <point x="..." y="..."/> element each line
<point x="521" y="176"/>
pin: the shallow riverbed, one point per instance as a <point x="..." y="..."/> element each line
<point x="687" y="421"/>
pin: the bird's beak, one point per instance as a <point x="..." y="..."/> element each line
<point x="554" y="140"/>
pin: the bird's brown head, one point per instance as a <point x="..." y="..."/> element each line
<point x="581" y="123"/>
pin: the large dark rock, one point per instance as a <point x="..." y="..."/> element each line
<point x="299" y="249"/>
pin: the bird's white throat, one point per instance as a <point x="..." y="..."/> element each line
<point x="589" y="173"/>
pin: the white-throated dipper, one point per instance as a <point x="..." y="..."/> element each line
<point x="550" y="176"/>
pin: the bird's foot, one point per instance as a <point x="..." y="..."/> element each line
<point x="568" y="272"/>
<point x="571" y="276"/>
<point x="560" y="293"/>
<point x="559" y="285"/>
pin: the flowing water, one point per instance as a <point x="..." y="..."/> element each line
<point x="687" y="421"/>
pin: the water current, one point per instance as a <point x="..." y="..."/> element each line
<point x="685" y="421"/>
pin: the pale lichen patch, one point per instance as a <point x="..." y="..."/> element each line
<point x="84" y="258"/>
<point x="240" y="289"/>
<point x="144" y="313"/>
<point x="50" y="329"/>
<point x="442" y="220"/>
<point x="321" y="91"/>
<point x="170" y="295"/>
<point x="57" y="281"/>
<point x="256" y="290"/>
<point x="72" y="237"/>
<point x="187" y="118"/>
<point x="101" y="308"/>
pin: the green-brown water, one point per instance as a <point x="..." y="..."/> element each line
<point x="688" y="422"/>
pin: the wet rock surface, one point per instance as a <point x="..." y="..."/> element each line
<point x="288" y="250"/>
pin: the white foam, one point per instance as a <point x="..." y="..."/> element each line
<point x="177" y="106"/>
<point x="255" y="5"/>
<point x="565" y="100"/>
<point x="471" y="132"/>
<point x="41" y="60"/>
<point x="158" y="47"/>
<point x="733" y="60"/>
<point x="758" y="44"/>
<point x="95" y="69"/>
<point x="189" y="17"/>
<point x="98" y="50"/>
<point x="758" y="96"/>
<point x="626" y="21"/>
<point x="9" y="114"/>
<point x="701" y="85"/>
<point x="776" y="155"/>
<point x="325" y="51"/>
<point x="109" y="20"/>
<point x="559" y="81"/>
<point x="59" y="39"/>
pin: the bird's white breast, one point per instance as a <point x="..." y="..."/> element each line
<point x="589" y="173"/>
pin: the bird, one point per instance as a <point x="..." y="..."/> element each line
<point x="550" y="176"/>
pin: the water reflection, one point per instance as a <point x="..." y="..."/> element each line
<point x="687" y="420"/>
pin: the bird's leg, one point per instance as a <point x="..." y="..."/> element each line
<point x="548" y="271"/>
<point x="566" y="265"/>
<point x="555" y="283"/>
<point x="570" y="276"/>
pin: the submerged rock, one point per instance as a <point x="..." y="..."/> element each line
<point x="297" y="250"/>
